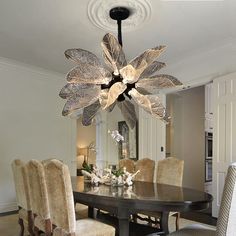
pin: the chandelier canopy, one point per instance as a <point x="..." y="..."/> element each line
<point x="92" y="86"/>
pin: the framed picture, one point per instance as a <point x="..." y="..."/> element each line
<point x="129" y="147"/>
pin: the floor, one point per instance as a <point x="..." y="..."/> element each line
<point x="9" y="225"/>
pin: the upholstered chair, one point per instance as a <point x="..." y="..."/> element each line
<point x="22" y="196"/>
<point x="61" y="204"/>
<point x="146" y="167"/>
<point x="39" y="198"/>
<point x="169" y="171"/>
<point x="226" y="225"/>
<point x="128" y="164"/>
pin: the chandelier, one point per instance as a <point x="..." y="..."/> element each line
<point x="91" y="86"/>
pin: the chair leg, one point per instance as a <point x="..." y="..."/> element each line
<point x="36" y="231"/>
<point x="48" y="227"/>
<point x="149" y="221"/>
<point x="135" y="219"/>
<point x="30" y="223"/>
<point x="21" y="223"/>
<point x="177" y="219"/>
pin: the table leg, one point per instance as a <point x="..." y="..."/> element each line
<point x="164" y="222"/>
<point x="90" y="212"/>
<point x="123" y="227"/>
<point x="123" y="219"/>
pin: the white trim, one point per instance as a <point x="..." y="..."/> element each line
<point x="6" y="207"/>
<point x="101" y="140"/>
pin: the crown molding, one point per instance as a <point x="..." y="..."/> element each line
<point x="31" y="68"/>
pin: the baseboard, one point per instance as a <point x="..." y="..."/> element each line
<point x="6" y="207"/>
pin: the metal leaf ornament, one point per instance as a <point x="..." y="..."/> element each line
<point x="92" y="86"/>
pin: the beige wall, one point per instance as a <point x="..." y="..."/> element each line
<point x="31" y="124"/>
<point x="186" y="138"/>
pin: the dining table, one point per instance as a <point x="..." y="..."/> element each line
<point x="124" y="201"/>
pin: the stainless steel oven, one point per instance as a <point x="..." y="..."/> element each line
<point x="208" y="156"/>
<point x="208" y="171"/>
<point x="208" y="146"/>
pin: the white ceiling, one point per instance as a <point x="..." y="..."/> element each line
<point x="200" y="35"/>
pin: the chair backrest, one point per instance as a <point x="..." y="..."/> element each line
<point x="128" y="164"/>
<point x="60" y="195"/>
<point x="226" y="223"/>
<point x="170" y="171"/>
<point x="21" y="184"/>
<point x="146" y="167"/>
<point x="38" y="189"/>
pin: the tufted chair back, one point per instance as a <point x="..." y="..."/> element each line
<point x="226" y="225"/>
<point x="60" y="195"/>
<point x="146" y="167"/>
<point x="170" y="171"/>
<point x="39" y="196"/>
<point x="128" y="164"/>
<point x="21" y="184"/>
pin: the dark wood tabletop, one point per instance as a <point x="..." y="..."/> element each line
<point x="142" y="196"/>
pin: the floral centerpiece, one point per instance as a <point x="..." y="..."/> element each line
<point x="108" y="176"/>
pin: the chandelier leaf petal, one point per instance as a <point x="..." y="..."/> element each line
<point x="128" y="111"/>
<point x="113" y="53"/>
<point x="111" y="107"/>
<point x="152" y="68"/>
<point x="150" y="103"/>
<point x="158" y="82"/>
<point x="140" y="63"/>
<point x="81" y="90"/>
<point x="90" y="112"/>
<point x="109" y="96"/>
<point x="79" y="101"/>
<point x="83" y="56"/>
<point x="85" y="73"/>
<point x="130" y="74"/>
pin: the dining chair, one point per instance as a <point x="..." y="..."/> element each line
<point x="25" y="217"/>
<point x="39" y="198"/>
<point x="146" y="167"/>
<point x="128" y="164"/>
<point x="227" y="215"/>
<point x="169" y="171"/>
<point x="61" y="204"/>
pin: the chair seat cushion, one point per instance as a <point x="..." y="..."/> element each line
<point x="194" y="230"/>
<point x="88" y="227"/>
<point x="40" y="223"/>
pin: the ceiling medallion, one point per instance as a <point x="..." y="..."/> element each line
<point x="91" y="86"/>
<point x="99" y="13"/>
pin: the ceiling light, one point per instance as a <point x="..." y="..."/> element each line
<point x="91" y="86"/>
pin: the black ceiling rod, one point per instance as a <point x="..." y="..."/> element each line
<point x="119" y="14"/>
<point x="119" y="32"/>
